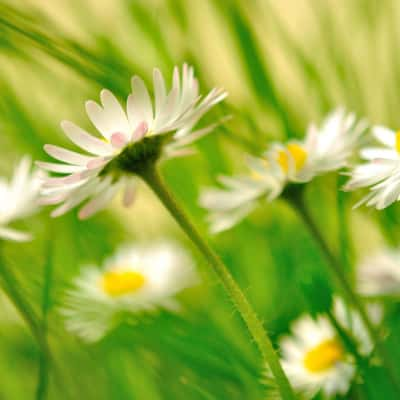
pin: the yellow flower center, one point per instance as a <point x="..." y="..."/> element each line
<point x="295" y="151"/>
<point x="398" y="141"/>
<point x="323" y="356"/>
<point x="118" y="283"/>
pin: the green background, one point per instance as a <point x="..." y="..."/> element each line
<point x="284" y="64"/>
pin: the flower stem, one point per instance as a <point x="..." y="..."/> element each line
<point x="9" y="284"/>
<point x="152" y="177"/>
<point x="296" y="199"/>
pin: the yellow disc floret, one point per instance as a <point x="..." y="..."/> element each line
<point x="324" y="356"/>
<point x="398" y="141"/>
<point x="296" y="152"/>
<point x="118" y="283"/>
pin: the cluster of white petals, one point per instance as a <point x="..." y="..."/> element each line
<point x="315" y="359"/>
<point x="136" y="279"/>
<point x="381" y="172"/>
<point x="176" y="111"/>
<point x="19" y="199"/>
<point x="324" y="149"/>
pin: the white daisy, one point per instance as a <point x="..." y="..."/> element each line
<point x="379" y="274"/>
<point x="314" y="358"/>
<point x="128" y="140"/>
<point x="137" y="279"/>
<point x="325" y="149"/>
<point x="381" y="172"/>
<point x="19" y="199"/>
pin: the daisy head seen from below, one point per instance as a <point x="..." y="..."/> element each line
<point x="324" y="149"/>
<point x="314" y="358"/>
<point x="128" y="142"/>
<point x="381" y="171"/>
<point x="19" y="199"/>
<point x="137" y="279"/>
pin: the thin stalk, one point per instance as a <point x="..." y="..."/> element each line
<point x="43" y="373"/>
<point x="10" y="285"/>
<point x="346" y="338"/>
<point x="295" y="198"/>
<point x="154" y="180"/>
<point x="43" y="377"/>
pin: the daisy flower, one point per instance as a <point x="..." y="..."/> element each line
<point x="130" y="139"/>
<point x="381" y="171"/>
<point x="324" y="149"/>
<point x="314" y="358"/>
<point x="19" y="199"/>
<point x="136" y="279"/>
<point x="379" y="274"/>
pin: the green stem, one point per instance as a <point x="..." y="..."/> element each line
<point x="42" y="385"/>
<point x="296" y="199"/>
<point x="152" y="177"/>
<point x="9" y="285"/>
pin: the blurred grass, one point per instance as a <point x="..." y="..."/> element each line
<point x="283" y="64"/>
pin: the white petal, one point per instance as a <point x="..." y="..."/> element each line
<point x="117" y="120"/>
<point x="68" y="156"/>
<point x="99" y="119"/>
<point x="385" y="135"/>
<point x="12" y="234"/>
<point x="139" y="104"/>
<point x="97" y="203"/>
<point x="60" y="168"/>
<point x="371" y="153"/>
<point x="160" y="93"/>
<point x="73" y="201"/>
<point x="84" y="140"/>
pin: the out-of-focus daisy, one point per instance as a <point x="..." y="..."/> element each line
<point x="314" y="358"/>
<point x="381" y="172"/>
<point x="142" y="134"/>
<point x="379" y="274"/>
<point x="19" y="199"/>
<point x="137" y="279"/>
<point x="323" y="149"/>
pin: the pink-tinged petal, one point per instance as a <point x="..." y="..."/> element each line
<point x="60" y="168"/>
<point x="140" y="131"/>
<point x="97" y="203"/>
<point x="49" y="200"/>
<point x="129" y="195"/>
<point x="118" y="140"/>
<point x="67" y="156"/>
<point x="98" y="162"/>
<point x="84" y="140"/>
<point x="73" y="178"/>
<point x="75" y="197"/>
<point x="70" y="179"/>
